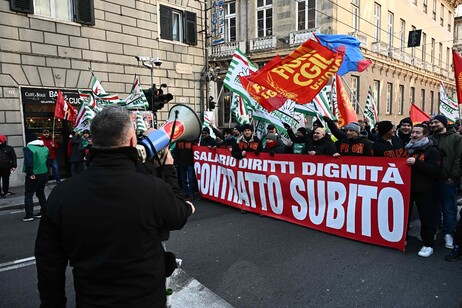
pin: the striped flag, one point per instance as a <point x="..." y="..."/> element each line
<point x="96" y="86"/>
<point x="370" y="110"/>
<point x="307" y="109"/>
<point x="448" y="107"/>
<point x="84" y="117"/>
<point x="238" y="110"/>
<point x="209" y="121"/>
<point x="322" y="103"/>
<point x="100" y="95"/>
<point x="136" y="98"/>
<point x="140" y="124"/>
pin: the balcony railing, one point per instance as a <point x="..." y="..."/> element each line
<point x="362" y="38"/>
<point x="262" y="43"/>
<point x="297" y="38"/>
<point x="226" y="50"/>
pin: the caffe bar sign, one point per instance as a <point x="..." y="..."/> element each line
<point x="47" y="96"/>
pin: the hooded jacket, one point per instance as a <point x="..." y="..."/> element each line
<point x="450" y="144"/>
<point x="107" y="222"/>
<point x="36" y="157"/>
<point x="8" y="158"/>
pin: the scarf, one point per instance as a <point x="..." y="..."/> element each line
<point x="412" y="146"/>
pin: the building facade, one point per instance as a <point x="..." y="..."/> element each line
<point x="50" y="45"/>
<point x="400" y="75"/>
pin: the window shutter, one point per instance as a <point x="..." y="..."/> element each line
<point x="166" y="31"/>
<point x="190" y="29"/>
<point x="84" y="12"/>
<point x="23" y="6"/>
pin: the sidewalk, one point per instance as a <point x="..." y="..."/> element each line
<point x="17" y="200"/>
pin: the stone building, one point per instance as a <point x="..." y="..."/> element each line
<point x="49" y="45"/>
<point x="399" y="74"/>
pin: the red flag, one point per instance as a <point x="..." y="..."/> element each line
<point x="64" y="110"/>
<point x="457" y="60"/>
<point x="302" y="74"/>
<point x="417" y="115"/>
<point x="346" y="112"/>
<point x="268" y="99"/>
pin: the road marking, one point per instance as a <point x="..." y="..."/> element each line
<point x="8" y="266"/>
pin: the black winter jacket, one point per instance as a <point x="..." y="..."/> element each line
<point x="106" y="223"/>
<point x="395" y="149"/>
<point x="426" y="168"/>
<point x="323" y="146"/>
<point x="359" y="146"/>
<point x="7" y="157"/>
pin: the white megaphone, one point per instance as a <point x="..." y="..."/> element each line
<point x="183" y="124"/>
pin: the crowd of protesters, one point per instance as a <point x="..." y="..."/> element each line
<point x="433" y="149"/>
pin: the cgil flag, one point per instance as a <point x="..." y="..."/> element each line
<point x="370" y="109"/>
<point x="63" y="109"/>
<point x="136" y="98"/>
<point x="238" y="109"/>
<point x="140" y="124"/>
<point x="417" y="115"/>
<point x="448" y="107"/>
<point x="346" y="112"/>
<point x="84" y="117"/>
<point x="457" y="60"/>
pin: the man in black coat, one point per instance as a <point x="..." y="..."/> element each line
<point x="8" y="164"/>
<point x="106" y="223"/>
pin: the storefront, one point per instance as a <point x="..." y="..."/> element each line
<point x="39" y="107"/>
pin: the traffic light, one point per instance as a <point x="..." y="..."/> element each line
<point x="414" y="38"/>
<point x="159" y="98"/>
<point x="212" y="104"/>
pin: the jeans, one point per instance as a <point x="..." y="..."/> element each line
<point x="447" y="195"/>
<point x="188" y="180"/>
<point x="35" y="186"/>
<point x="55" y="169"/>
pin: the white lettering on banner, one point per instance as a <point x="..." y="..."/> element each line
<point x="337" y="194"/>
<point x="275" y="194"/>
<point x="353" y="172"/>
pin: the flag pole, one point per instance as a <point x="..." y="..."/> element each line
<point x="53" y="135"/>
<point x="354" y="95"/>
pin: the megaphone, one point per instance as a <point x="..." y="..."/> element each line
<point x="183" y="124"/>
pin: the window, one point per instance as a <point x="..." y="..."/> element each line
<point x="354" y="94"/>
<point x="230" y="22"/>
<point x="412" y="95"/>
<point x="389" y="98"/>
<point x="402" y="34"/>
<point x="414" y="2"/>
<point x="375" y="93"/>
<point x="442" y="15"/>
<point x="448" y="52"/>
<point x="433" y="51"/>
<point x="355" y="14"/>
<point x="177" y="25"/>
<point x="391" y="18"/>
<point x="432" y="98"/>
<point x="377" y="16"/>
<point x="81" y="11"/>
<point x="424" y="46"/>
<point x="449" y="21"/>
<point x="264" y="18"/>
<point x="434" y="10"/>
<point x="306" y="14"/>
<point x="440" y="55"/>
<point x="422" y="99"/>
<point x="425" y="5"/>
<point x="401" y="99"/>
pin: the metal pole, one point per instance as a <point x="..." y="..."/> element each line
<point x="351" y="92"/>
<point x="206" y="76"/>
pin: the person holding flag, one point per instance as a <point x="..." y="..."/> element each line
<point x="354" y="144"/>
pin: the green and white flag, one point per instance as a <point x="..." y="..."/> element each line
<point x="84" y="117"/>
<point x="370" y="109"/>
<point x="240" y="66"/>
<point x="140" y="124"/>
<point x="136" y="98"/>
<point x="307" y="109"/>
<point x="238" y="109"/>
<point x="209" y="121"/>
<point x="448" y="107"/>
<point x="96" y="86"/>
<point x="323" y="105"/>
<point x="100" y="94"/>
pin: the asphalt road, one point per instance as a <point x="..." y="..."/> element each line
<point x="254" y="261"/>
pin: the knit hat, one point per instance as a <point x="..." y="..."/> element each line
<point x="272" y="136"/>
<point x="384" y="127"/>
<point x="271" y="126"/>
<point x="239" y="128"/>
<point x="206" y="129"/>
<point x="353" y="126"/>
<point x="302" y="130"/>
<point x="3" y="139"/>
<point x="442" y="119"/>
<point x="406" y="120"/>
<point x="247" y="126"/>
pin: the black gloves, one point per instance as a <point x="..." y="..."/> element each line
<point x="272" y="153"/>
<point x="286" y="126"/>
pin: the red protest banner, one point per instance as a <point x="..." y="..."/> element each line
<point x="64" y="110"/>
<point x="457" y="60"/>
<point x="367" y="201"/>
<point x="302" y="74"/>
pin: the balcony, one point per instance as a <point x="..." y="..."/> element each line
<point x="262" y="43"/>
<point x="296" y="38"/>
<point x="380" y="47"/>
<point x="226" y="50"/>
<point x="362" y="38"/>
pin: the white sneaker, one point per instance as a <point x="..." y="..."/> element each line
<point x="425" y="251"/>
<point x="449" y="241"/>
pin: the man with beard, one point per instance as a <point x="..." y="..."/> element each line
<point x="301" y="141"/>
<point x="206" y="139"/>
<point x="246" y="143"/>
<point x="354" y="144"/>
<point x="449" y="143"/>
<point x="404" y="129"/>
<point x="425" y="161"/>
<point x="322" y="143"/>
<point x="387" y="143"/>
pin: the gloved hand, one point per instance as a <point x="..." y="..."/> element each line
<point x="327" y="119"/>
<point x="286" y="125"/>
<point x="257" y="153"/>
<point x="272" y="153"/>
